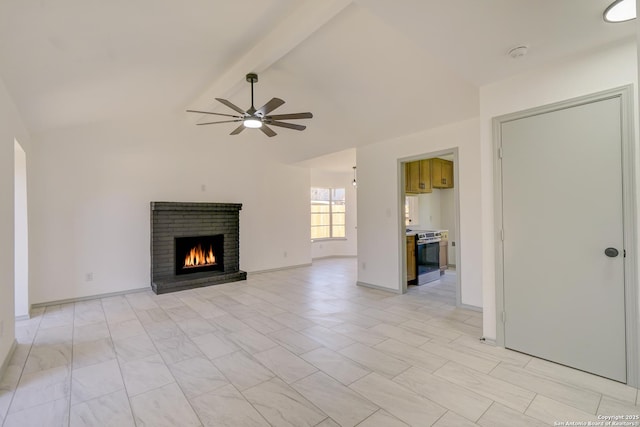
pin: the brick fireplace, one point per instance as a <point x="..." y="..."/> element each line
<point x="194" y="245"/>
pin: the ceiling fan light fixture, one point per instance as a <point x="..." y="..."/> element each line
<point x="256" y="119"/>
<point x="252" y="122"/>
<point x="620" y="11"/>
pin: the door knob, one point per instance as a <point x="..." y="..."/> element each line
<point x="611" y="252"/>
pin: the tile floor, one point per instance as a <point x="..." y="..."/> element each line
<point x="300" y="347"/>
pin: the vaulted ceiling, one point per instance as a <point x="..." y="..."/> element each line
<point x="367" y="69"/>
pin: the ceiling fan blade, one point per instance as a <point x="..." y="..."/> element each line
<point x="290" y="116"/>
<point x="209" y="112"/>
<point x="267" y="130"/>
<point x="270" y="106"/>
<point x="286" y="125"/>
<point x="231" y="105"/>
<point x="224" y="121"/>
<point x="238" y="130"/>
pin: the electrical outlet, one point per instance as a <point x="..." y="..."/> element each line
<point x="203" y="187"/>
<point x="88" y="277"/>
<point x="285" y="254"/>
<point x="364" y="265"/>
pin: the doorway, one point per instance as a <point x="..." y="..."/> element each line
<point x="431" y="205"/>
<point x="21" y="235"/>
<point x="566" y="279"/>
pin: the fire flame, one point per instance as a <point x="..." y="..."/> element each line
<point x="198" y="257"/>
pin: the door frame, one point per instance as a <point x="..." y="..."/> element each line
<point x="402" y="235"/>
<point x="625" y="93"/>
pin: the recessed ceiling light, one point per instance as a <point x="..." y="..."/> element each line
<point x="620" y="11"/>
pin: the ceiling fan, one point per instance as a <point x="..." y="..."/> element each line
<point x="257" y="119"/>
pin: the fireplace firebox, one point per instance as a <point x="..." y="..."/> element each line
<point x="199" y="253"/>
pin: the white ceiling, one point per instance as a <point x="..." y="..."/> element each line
<point x="367" y="69"/>
<point x="339" y="161"/>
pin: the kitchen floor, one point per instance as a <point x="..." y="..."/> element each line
<point x="298" y="347"/>
<point x="442" y="290"/>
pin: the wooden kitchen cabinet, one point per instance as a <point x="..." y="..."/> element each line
<point x="418" y="177"/>
<point x="441" y="173"/>
<point x="412" y="177"/>
<point x="425" y="176"/>
<point x="411" y="260"/>
<point x="444" y="256"/>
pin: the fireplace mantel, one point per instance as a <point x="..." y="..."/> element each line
<point x="171" y="220"/>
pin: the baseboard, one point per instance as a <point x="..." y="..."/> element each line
<point x="25" y="316"/>
<point x="289" y="267"/>
<point x="333" y="256"/>
<point x="488" y="341"/>
<point x="471" y="307"/>
<point x="5" y="362"/>
<point x="380" y="288"/>
<point x="90" y="297"/>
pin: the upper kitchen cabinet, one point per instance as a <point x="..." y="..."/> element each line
<point x="412" y="177"/>
<point x="441" y="173"/>
<point x="418" y="177"/>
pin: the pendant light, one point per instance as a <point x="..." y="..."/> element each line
<point x="355" y="184"/>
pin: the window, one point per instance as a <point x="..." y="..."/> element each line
<point x="411" y="210"/>
<point x="327" y="213"/>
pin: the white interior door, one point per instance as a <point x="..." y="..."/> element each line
<point x="562" y="207"/>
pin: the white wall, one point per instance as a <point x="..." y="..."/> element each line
<point x="348" y="246"/>
<point x="92" y="185"/>
<point x="429" y="208"/>
<point x="381" y="214"/>
<point x="379" y="177"/>
<point x="589" y="73"/>
<point x="11" y="128"/>
<point x="21" y="234"/>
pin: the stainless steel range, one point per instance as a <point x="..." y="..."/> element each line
<point x="428" y="256"/>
